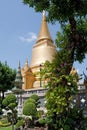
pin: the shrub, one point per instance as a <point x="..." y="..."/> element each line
<point x="30" y="109"/>
<point x="4" y="120"/>
<point x="10" y="98"/>
<point x="30" y="100"/>
<point x="0" y="123"/>
<point x="42" y="122"/>
<point x="35" y="97"/>
<point x="6" y="125"/>
<point x="20" y="123"/>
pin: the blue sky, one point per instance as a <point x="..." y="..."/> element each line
<point x="19" y="27"/>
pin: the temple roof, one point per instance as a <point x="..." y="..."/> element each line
<point x="44" y="31"/>
<point x="26" y="67"/>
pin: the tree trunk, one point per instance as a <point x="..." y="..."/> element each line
<point x="75" y="37"/>
<point x="73" y="41"/>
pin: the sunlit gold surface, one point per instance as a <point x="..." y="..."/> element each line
<point x="28" y="77"/>
<point x="44" y="31"/>
<point x="44" y="49"/>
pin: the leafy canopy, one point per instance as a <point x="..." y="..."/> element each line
<point x="10" y="104"/>
<point x="59" y="10"/>
<point x="7" y="77"/>
<point x="10" y="101"/>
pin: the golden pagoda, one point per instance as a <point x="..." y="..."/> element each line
<point x="43" y="50"/>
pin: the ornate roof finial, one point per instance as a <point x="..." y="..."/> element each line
<point x="19" y="65"/>
<point x="26" y="62"/>
<point x="44" y="31"/>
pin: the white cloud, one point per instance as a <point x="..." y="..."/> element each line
<point x="30" y="37"/>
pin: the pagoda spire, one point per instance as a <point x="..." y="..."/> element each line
<point x="26" y="62"/>
<point x="19" y="68"/>
<point x="44" y="31"/>
<point x="44" y="48"/>
<point x="18" y="78"/>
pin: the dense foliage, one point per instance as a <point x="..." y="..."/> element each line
<point x="36" y="99"/>
<point x="7" y="77"/>
<point x="62" y="113"/>
<point x="30" y="106"/>
<point x="63" y="8"/>
<point x="10" y="104"/>
<point x="20" y="123"/>
<point x="30" y="109"/>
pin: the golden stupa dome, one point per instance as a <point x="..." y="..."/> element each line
<point x="44" y="48"/>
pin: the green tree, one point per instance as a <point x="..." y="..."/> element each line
<point x="61" y="111"/>
<point x="10" y="104"/>
<point x="30" y="109"/>
<point x="36" y="99"/>
<point x="30" y="106"/>
<point x="7" y="77"/>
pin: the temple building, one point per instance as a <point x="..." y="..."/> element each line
<point x="43" y="50"/>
